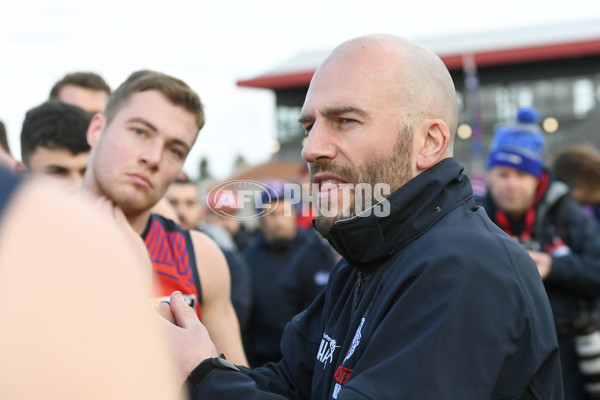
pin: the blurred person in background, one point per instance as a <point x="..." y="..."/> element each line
<point x="532" y="206"/>
<point x="579" y="166"/>
<point x="87" y="90"/>
<point x="239" y="233"/>
<point x="54" y="143"/>
<point x="289" y="267"/>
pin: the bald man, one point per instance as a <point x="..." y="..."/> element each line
<point x="430" y="300"/>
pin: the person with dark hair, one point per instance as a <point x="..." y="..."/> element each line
<point x="87" y="90"/>
<point x="527" y="201"/>
<point x="430" y="299"/>
<point x="139" y="145"/>
<point x="579" y="166"/>
<point x="54" y="143"/>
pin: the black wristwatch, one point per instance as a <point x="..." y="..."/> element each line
<point x="209" y="365"/>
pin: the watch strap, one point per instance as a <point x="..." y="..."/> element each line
<point x="209" y="365"/>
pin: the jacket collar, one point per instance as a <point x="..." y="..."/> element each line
<point x="366" y="241"/>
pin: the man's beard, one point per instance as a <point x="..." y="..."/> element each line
<point x="394" y="170"/>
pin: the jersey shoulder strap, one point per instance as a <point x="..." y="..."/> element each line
<point x="170" y="226"/>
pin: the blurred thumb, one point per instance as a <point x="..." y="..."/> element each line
<point x="185" y="316"/>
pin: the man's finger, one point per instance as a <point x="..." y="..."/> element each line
<point x="185" y="316"/>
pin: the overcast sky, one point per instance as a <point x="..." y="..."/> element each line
<point x="212" y="44"/>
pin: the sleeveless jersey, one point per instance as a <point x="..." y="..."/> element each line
<point x="173" y="261"/>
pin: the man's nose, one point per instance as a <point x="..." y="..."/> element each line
<point x="74" y="182"/>
<point x="151" y="154"/>
<point x="320" y="144"/>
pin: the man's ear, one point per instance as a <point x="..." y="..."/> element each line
<point x="434" y="144"/>
<point x="95" y="129"/>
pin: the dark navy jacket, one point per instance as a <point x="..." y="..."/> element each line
<point x="432" y="302"/>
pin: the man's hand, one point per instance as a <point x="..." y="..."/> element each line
<point x="114" y="213"/>
<point x="190" y="341"/>
<point x="543" y="262"/>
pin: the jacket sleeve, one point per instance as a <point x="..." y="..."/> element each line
<point x="579" y="271"/>
<point x="290" y="378"/>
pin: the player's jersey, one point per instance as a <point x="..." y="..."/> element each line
<point x="173" y="261"/>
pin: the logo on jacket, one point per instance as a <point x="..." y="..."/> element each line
<point x="342" y="374"/>
<point x="355" y="341"/>
<point x="326" y="350"/>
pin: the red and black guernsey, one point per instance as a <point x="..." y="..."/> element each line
<point x="173" y="261"/>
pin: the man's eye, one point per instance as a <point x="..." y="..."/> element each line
<point x="307" y="129"/>
<point x="138" y="131"/>
<point x="344" y="123"/>
<point x="178" y="153"/>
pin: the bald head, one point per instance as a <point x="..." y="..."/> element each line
<point x="413" y="77"/>
<point x="379" y="111"/>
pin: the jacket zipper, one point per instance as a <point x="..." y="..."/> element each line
<point x="358" y="289"/>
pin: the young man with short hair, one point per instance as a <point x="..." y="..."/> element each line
<point x="139" y="145"/>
